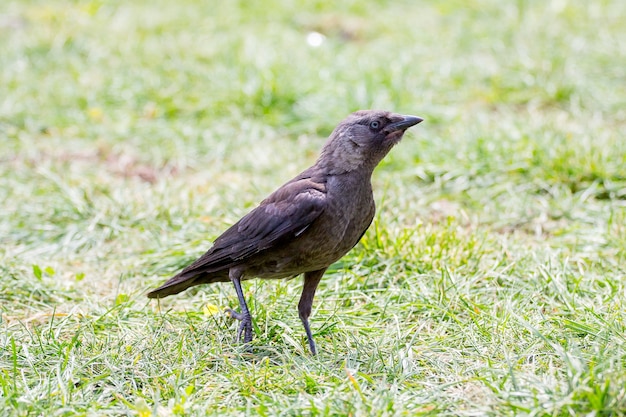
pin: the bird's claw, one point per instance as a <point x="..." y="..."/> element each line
<point x="234" y="314"/>
<point x="245" y="326"/>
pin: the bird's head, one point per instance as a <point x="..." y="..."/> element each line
<point x="363" y="139"/>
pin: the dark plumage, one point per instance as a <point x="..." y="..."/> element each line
<point x="305" y="225"/>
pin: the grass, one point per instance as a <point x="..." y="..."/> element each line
<point x="491" y="283"/>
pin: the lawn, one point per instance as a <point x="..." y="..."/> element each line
<point x="492" y="282"/>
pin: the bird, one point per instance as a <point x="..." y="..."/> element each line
<point x="305" y="225"/>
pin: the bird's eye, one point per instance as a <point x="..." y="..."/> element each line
<point x="374" y="125"/>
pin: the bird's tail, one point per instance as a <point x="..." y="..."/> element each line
<point x="183" y="281"/>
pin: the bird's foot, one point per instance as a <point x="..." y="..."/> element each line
<point x="245" y="326"/>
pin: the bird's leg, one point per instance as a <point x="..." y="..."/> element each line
<point x="245" y="326"/>
<point x="311" y="279"/>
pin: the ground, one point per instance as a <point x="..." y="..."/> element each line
<point x="492" y="281"/>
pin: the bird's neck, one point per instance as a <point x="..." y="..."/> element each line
<point x="336" y="161"/>
<point x="345" y="167"/>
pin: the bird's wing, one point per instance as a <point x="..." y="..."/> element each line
<point x="284" y="215"/>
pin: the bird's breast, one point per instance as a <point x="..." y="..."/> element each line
<point x="348" y="213"/>
<point x="352" y="208"/>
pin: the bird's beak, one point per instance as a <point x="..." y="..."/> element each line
<point x="403" y="124"/>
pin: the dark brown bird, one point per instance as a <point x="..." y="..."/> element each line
<point x="307" y="224"/>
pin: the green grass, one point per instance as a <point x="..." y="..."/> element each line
<point x="492" y="282"/>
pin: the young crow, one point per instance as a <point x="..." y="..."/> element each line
<point x="305" y="225"/>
